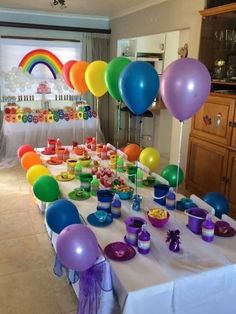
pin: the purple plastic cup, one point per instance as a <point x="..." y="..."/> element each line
<point x="196" y="216"/>
<point x="133" y="227"/>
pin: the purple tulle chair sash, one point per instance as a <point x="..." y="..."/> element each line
<point x="92" y="282"/>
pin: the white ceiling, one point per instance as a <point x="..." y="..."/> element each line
<point x="104" y="8"/>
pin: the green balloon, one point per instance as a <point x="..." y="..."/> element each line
<point x="112" y="74"/>
<point x="46" y="189"/>
<point x="170" y="174"/>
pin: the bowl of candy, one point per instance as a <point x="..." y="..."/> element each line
<point x="158" y="217"/>
<point x="124" y="191"/>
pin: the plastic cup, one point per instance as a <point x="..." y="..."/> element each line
<point x="160" y="191"/>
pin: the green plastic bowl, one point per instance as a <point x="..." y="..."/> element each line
<point x="85" y="163"/>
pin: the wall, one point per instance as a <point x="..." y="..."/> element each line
<point x="168" y="16"/>
<point x="38" y="17"/>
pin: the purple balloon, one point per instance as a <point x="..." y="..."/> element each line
<point x="77" y="247"/>
<point x="185" y="85"/>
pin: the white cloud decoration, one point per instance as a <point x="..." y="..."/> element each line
<point x="17" y="79"/>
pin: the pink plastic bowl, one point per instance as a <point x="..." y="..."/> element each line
<point x="158" y="223"/>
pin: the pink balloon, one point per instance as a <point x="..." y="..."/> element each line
<point x="66" y="72"/>
<point x="77" y="247"/>
<point x="185" y="85"/>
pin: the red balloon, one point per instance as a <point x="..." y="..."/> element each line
<point x="132" y="151"/>
<point x="66" y="72"/>
<point x="24" y="149"/>
<point x="77" y="76"/>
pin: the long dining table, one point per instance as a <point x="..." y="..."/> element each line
<point x="200" y="278"/>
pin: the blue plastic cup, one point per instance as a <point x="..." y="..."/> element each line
<point x="160" y="191"/>
<point x="105" y="198"/>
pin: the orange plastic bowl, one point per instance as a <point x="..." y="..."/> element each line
<point x="78" y="151"/>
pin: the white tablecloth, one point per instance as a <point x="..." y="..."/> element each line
<point x="201" y="278"/>
<point x="13" y="135"/>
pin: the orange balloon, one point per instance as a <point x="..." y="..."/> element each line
<point x="30" y="159"/>
<point x="77" y="76"/>
<point x="132" y="151"/>
<point x="66" y="72"/>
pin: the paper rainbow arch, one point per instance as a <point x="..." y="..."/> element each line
<point x="43" y="56"/>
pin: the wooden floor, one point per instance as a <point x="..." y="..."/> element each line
<point x="27" y="282"/>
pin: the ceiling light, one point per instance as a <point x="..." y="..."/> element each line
<point x="60" y="3"/>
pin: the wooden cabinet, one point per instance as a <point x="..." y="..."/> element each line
<point x="212" y="150"/>
<point x="233" y="141"/>
<point x="211" y="163"/>
<point x="207" y="167"/>
<point x="214" y="120"/>
<point x="231" y="183"/>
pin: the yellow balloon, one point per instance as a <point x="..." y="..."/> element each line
<point x="35" y="172"/>
<point x="150" y="157"/>
<point x="94" y="78"/>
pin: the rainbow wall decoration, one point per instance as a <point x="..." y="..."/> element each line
<point x="43" y="56"/>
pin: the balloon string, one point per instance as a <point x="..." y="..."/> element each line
<point x="97" y="121"/>
<point x="83" y="124"/>
<point x="118" y="125"/>
<point x="118" y="107"/>
<point x="178" y="164"/>
<point x="129" y="129"/>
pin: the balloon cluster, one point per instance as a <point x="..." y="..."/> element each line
<point x="150" y="157"/>
<point x="185" y="83"/>
<point x="76" y="246"/>
<point x="16" y="78"/>
<point x="134" y="83"/>
<point x="45" y="187"/>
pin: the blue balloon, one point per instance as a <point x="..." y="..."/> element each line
<point x="61" y="214"/>
<point x="218" y="202"/>
<point x="138" y="86"/>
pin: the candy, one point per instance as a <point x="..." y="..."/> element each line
<point x="158" y="213"/>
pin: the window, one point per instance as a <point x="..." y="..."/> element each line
<point x="13" y="50"/>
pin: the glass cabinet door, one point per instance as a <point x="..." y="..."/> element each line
<point x="218" y="50"/>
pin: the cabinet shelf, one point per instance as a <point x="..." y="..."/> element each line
<point x="218" y="10"/>
<point x="224" y="82"/>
